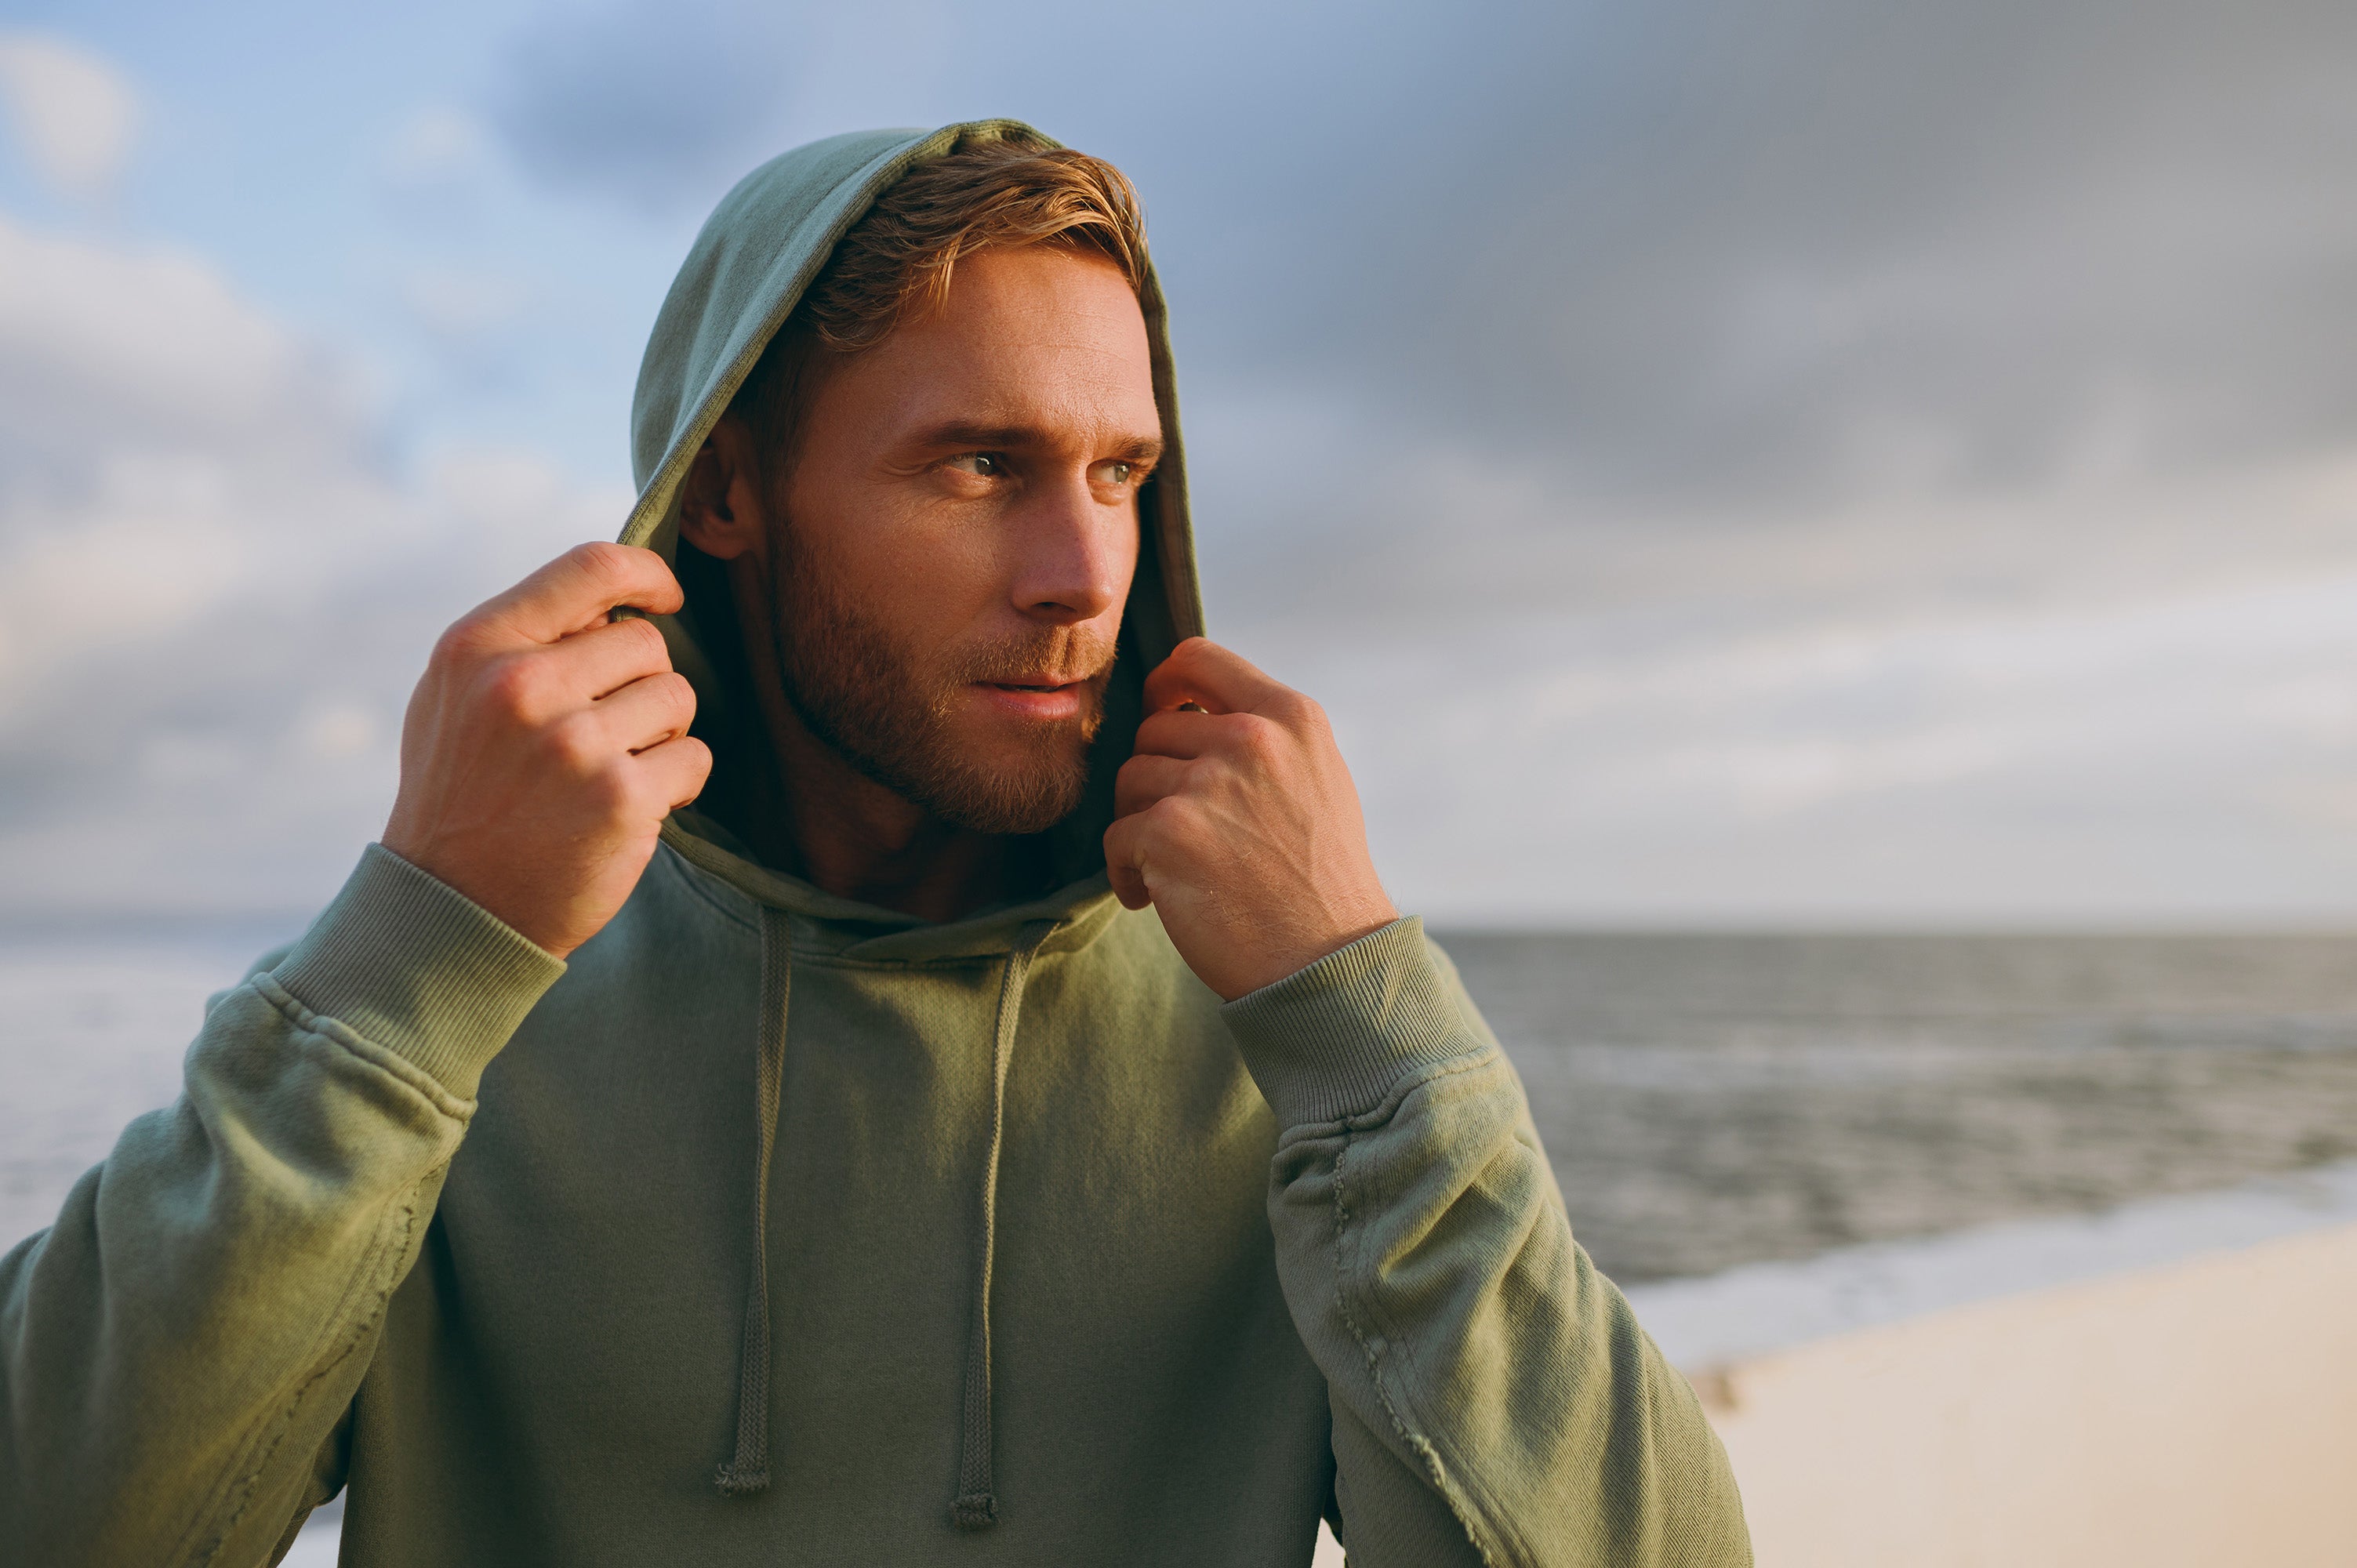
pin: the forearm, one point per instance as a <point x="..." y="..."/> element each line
<point x="178" y="1348"/>
<point x="1482" y="1374"/>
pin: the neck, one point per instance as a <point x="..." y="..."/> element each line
<point x="803" y="809"/>
<point x="817" y="816"/>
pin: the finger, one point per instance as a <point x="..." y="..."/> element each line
<point x="1125" y="845"/>
<point x="1200" y="671"/>
<point x="1185" y="733"/>
<point x="648" y="712"/>
<point x="1129" y="887"/>
<point x="675" y="770"/>
<point x="1144" y="781"/>
<point x="593" y="664"/>
<point x="580" y="589"/>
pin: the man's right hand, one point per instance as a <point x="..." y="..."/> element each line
<point x="545" y="745"/>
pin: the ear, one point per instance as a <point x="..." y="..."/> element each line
<point x="720" y="506"/>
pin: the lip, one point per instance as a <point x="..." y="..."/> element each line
<point x="1039" y="700"/>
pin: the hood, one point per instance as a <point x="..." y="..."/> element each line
<point x="763" y="246"/>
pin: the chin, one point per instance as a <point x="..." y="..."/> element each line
<point x="1003" y="784"/>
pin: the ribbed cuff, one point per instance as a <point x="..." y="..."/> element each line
<point x="1332" y="1039"/>
<point x="406" y="960"/>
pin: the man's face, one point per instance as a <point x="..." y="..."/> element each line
<point x="959" y="533"/>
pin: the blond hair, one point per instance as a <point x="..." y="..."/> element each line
<point x="895" y="263"/>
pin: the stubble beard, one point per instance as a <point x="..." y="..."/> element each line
<point x="873" y="701"/>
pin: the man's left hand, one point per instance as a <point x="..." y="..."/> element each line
<point x="1239" y="823"/>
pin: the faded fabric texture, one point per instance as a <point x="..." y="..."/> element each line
<point x="472" y="1234"/>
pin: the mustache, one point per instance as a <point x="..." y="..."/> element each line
<point x="1064" y="655"/>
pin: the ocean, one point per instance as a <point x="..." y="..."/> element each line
<point x="1715" y="1101"/>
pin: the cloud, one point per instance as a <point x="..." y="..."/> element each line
<point x="221" y="587"/>
<point x="659" y="105"/>
<point x="436" y="145"/>
<point x="146" y="348"/>
<point x="458" y="307"/>
<point x="1698" y="253"/>
<point x="438" y="171"/>
<point x="74" y="115"/>
<point x="2123" y="707"/>
<point x="662" y="108"/>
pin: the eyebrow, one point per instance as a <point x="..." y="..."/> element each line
<point x="968" y="435"/>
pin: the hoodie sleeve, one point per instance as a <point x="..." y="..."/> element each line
<point x="1494" y="1399"/>
<point x="177" y="1350"/>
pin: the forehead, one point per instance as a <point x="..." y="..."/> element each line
<point x="1036" y="337"/>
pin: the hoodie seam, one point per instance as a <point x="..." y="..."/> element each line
<point x="1488" y="1526"/>
<point x="397" y="1228"/>
<point x="354" y="1044"/>
<point x="675" y="864"/>
<point x="826" y="960"/>
<point x="681" y="868"/>
<point x="1416" y="1076"/>
<point x="1412" y="1437"/>
<point x="349" y="1321"/>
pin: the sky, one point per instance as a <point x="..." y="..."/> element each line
<point x="1850" y="463"/>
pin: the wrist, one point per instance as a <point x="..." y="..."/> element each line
<point x="463" y="874"/>
<point x="1278" y="962"/>
<point x="1333" y="1039"/>
<point x="410" y="963"/>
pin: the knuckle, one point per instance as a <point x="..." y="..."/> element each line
<point x="600" y="558"/>
<point x="614" y="787"/>
<point x="574" y="744"/>
<point x="649" y="637"/>
<point x="513" y="688"/>
<point x="611" y="793"/>
<point x="457" y="642"/>
<point x="1255" y="736"/>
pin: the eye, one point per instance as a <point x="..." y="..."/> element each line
<point x="981" y="464"/>
<point x="1117" y="471"/>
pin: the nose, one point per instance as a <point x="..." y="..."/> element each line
<point x="1075" y="553"/>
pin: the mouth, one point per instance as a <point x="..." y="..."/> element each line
<point x="1034" y="696"/>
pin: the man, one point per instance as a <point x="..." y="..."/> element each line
<point x="853" y="1168"/>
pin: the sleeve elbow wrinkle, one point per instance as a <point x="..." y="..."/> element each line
<point x="178" y="1349"/>
<point x="1494" y="1398"/>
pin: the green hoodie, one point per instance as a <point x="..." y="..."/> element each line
<point x="781" y="1228"/>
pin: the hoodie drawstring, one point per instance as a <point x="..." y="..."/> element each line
<point x="976" y="1505"/>
<point x="748" y="1471"/>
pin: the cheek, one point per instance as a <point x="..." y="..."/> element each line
<point x="951" y="576"/>
<point x="892" y="551"/>
<point x="933" y="588"/>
